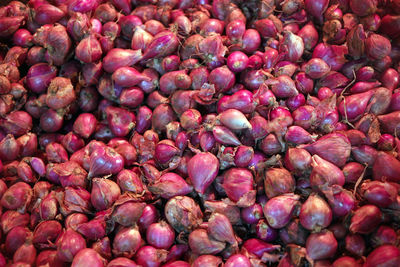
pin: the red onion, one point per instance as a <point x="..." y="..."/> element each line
<point x="279" y="210"/>
<point x="321" y="245"/>
<point x="316" y="9"/>
<point x="325" y="173"/>
<point x="252" y="214"/>
<point x="129" y="181"/>
<point x="202" y="170"/>
<point x="127" y="213"/>
<point x="163" y="44"/>
<point x="74" y="219"/>
<point x="379" y="193"/>
<point x="232" y="212"/>
<point x="258" y="247"/>
<point x="225" y="136"/>
<point x="355" y="244"/>
<point x="149" y="216"/>
<point x="201" y="243"/>
<point x="316" y="68"/>
<point x="383" y="255"/>
<point x="25" y="254"/>
<point x="170" y="185"/>
<point x="183" y="214"/>
<point x="293" y="233"/>
<point x="384" y="235"/>
<point x="16" y="238"/>
<point x="207" y="261"/>
<point x="365" y="219"/>
<point x="162" y="115"/>
<point x="237" y="260"/>
<point x="238" y="185"/>
<point x="332" y="147"/>
<point x="345" y="261"/>
<point x="160" y="235"/>
<point x="237" y="61"/>
<point x="315" y="213"/>
<point x="340" y="200"/>
<point x="88" y="50"/>
<point x="46" y="233"/>
<point x="148" y="256"/>
<point x="104" y="161"/>
<point x="272" y="111"/>
<point x="126" y="242"/>
<point x="219" y="228"/>
<point x="10" y="25"/>
<point x="17" y="197"/>
<point x="278" y="181"/>
<point x="390" y="168"/>
<point x="122" y="261"/>
<point x="86" y="257"/>
<point x="265" y="232"/>
<point x="49" y="257"/>
<point x="377" y="46"/>
<point x="69" y="244"/>
<point x="222" y="78"/>
<point x="11" y="219"/>
<point x="104" y="193"/>
<point x="74" y="200"/>
<point x="117" y="58"/>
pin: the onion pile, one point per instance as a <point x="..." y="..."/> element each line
<point x="199" y="133"/>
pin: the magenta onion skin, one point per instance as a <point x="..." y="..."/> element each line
<point x="265" y="232"/>
<point x="88" y="256"/>
<point x="258" y="247"/>
<point x="279" y="210"/>
<point x="325" y="173"/>
<point x="39" y="77"/>
<point x="148" y="256"/>
<point x="334" y="147"/>
<point x="379" y="193"/>
<point x="315" y="213"/>
<point x="69" y="244"/>
<point x="238" y="185"/>
<point x="117" y="58"/>
<point x="201" y="243"/>
<point x="365" y="219"/>
<point x="385" y="255"/>
<point x="207" y="260"/>
<point x="386" y="166"/>
<point x="126" y="242"/>
<point x="355" y="244"/>
<point x="160" y="235"/>
<point x="17" y="197"/>
<point x="104" y="193"/>
<point x="202" y="170"/>
<point x="384" y="235"/>
<point x="122" y="261"/>
<point x="321" y="245"/>
<point x="237" y="260"/>
<point x="278" y="181"/>
<point x="220" y="228"/>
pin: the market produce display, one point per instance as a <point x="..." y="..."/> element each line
<point x="199" y="133"/>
